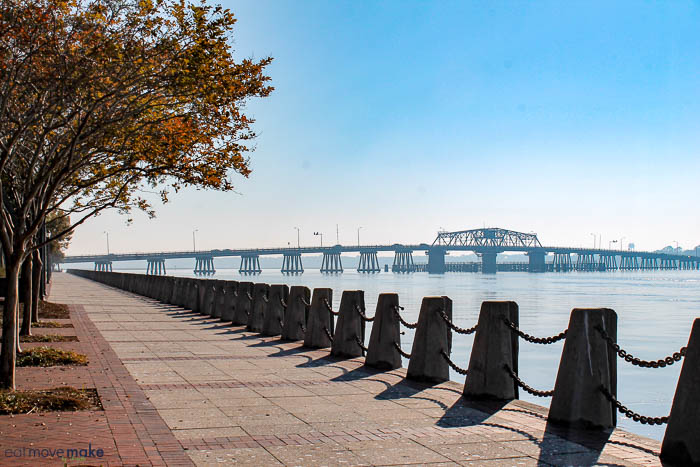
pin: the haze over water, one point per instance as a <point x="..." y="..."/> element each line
<point x="655" y="313"/>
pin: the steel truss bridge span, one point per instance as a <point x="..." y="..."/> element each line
<point x="486" y="243"/>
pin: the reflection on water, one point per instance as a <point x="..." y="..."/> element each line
<point x="655" y="313"/>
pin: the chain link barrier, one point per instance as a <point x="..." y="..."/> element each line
<point x="362" y="314"/>
<point x="629" y="358"/>
<point x="330" y="309"/>
<point x="527" y="388"/>
<point x="629" y="413"/>
<point x="452" y="364"/>
<point x="360" y="343"/>
<point x="405" y="323"/>
<point x="533" y="339"/>
<point x="328" y="333"/>
<point x="453" y="326"/>
<point x="403" y="354"/>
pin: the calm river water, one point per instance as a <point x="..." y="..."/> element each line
<point x="655" y="313"/>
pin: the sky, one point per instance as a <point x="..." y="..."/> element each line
<point x="574" y="120"/>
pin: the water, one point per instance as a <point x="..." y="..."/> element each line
<point x="655" y="313"/>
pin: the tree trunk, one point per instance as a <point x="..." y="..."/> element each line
<point x="26" y="298"/>
<point x="36" y="285"/>
<point x="8" y="357"/>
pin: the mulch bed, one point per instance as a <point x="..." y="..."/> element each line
<point x="53" y="310"/>
<point x="64" y="398"/>
<point x="48" y="356"/>
<point x="51" y="324"/>
<point x="48" y="338"/>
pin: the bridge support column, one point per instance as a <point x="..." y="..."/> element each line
<point x="291" y="264"/>
<point x="436" y="261"/>
<point x="537" y="261"/>
<point x="403" y="261"/>
<point x="562" y="262"/>
<point x="331" y="262"/>
<point x="368" y="261"/>
<point x="103" y="266"/>
<point x="155" y="267"/>
<point x="250" y="264"/>
<point x="204" y="265"/>
<point x="488" y="263"/>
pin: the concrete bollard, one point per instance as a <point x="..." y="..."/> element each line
<point x="433" y="336"/>
<point x="295" y="316"/>
<point x="201" y="294"/>
<point x="320" y="318"/>
<point x="230" y="299"/>
<point x="350" y="326"/>
<point x="275" y="313"/>
<point x="495" y="346"/>
<point x="193" y="295"/>
<point x="681" y="445"/>
<point x="218" y="300"/>
<point x="244" y="303"/>
<point x="209" y="295"/>
<point x="587" y="363"/>
<point x="261" y="293"/>
<point x="386" y="332"/>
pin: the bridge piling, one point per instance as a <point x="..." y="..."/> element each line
<point x="368" y="261"/>
<point x="436" y="261"/>
<point x="321" y="321"/>
<point x="587" y="364"/>
<point x="331" y="262"/>
<point x="495" y="346"/>
<point x="681" y="444"/>
<point x="403" y="261"/>
<point x="536" y="261"/>
<point x="350" y="326"/>
<point x="291" y="264"/>
<point x="433" y="338"/>
<point x="250" y="264"/>
<point x="488" y="263"/>
<point x="386" y="332"/>
<point x="296" y="314"/>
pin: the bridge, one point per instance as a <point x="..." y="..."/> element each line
<point x="486" y="243"/>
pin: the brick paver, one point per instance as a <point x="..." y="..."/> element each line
<point x="194" y="385"/>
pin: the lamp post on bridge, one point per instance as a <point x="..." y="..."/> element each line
<point x="298" y="243"/>
<point x="593" y="239"/>
<point x="194" y="243"/>
<point x="321" y="234"/>
<point x="107" y="234"/>
<point x="621" y="242"/>
<point x="677" y="248"/>
<point x="358" y="237"/>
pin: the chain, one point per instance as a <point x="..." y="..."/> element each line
<point x="283" y="303"/>
<point x="328" y="305"/>
<point x="527" y="388"/>
<point x="661" y="363"/>
<point x="535" y="340"/>
<point x="328" y="333"/>
<point x="452" y="364"/>
<point x="280" y="321"/>
<point x="454" y="327"/>
<point x="359" y="342"/>
<point x="303" y="328"/>
<point x="403" y="354"/>
<point x="304" y="302"/>
<point x="362" y="314"/>
<point x="265" y="298"/>
<point x="250" y="297"/>
<point x="633" y="415"/>
<point x="405" y="323"/>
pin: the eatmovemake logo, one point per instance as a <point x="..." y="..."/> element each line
<point x="65" y="454"/>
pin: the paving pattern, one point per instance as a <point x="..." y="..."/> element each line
<point x="222" y="395"/>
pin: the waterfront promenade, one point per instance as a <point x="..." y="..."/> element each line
<point x="191" y="389"/>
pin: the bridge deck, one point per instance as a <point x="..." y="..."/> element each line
<point x="232" y="396"/>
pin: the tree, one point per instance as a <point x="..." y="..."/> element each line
<point x="57" y="223"/>
<point x="103" y="100"/>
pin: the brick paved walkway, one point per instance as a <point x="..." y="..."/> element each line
<point x="177" y="383"/>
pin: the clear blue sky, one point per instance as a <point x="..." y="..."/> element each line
<point x="563" y="118"/>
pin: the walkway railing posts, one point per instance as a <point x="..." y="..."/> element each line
<point x="257" y="312"/>
<point x="274" y="315"/>
<point x="681" y="445"/>
<point x="381" y="351"/>
<point x="295" y="317"/>
<point x="320" y="322"/>
<point x="350" y="326"/>
<point x="495" y="346"/>
<point x="587" y="364"/>
<point x="230" y="300"/>
<point x="433" y="337"/>
<point x="244" y="304"/>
